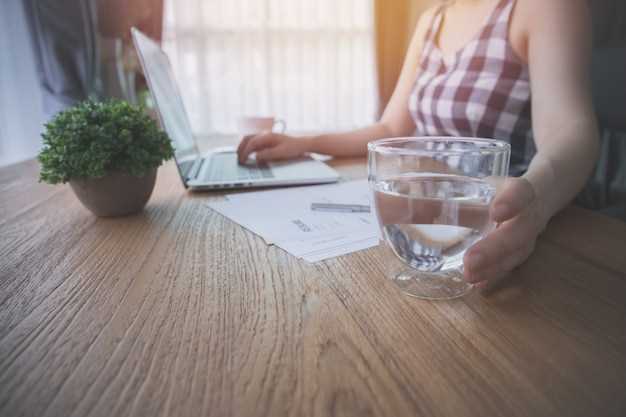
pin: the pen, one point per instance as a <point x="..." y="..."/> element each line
<point x="340" y="208"/>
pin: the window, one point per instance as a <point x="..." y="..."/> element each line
<point x="310" y="62"/>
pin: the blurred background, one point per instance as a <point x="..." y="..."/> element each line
<point x="321" y="65"/>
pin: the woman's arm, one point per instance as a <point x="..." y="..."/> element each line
<point x="564" y="121"/>
<point x="396" y="120"/>
<point x="565" y="130"/>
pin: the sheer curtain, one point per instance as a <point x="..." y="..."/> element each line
<point x="311" y="63"/>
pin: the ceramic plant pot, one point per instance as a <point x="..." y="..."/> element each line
<point x="116" y="194"/>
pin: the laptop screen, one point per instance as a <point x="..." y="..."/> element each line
<point x="167" y="98"/>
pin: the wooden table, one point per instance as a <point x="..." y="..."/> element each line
<point x="180" y="312"/>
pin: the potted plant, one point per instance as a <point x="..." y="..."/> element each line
<point x="109" y="152"/>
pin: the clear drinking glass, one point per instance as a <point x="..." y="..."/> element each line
<point x="432" y="196"/>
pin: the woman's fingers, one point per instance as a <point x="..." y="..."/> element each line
<point x="241" y="148"/>
<point x="515" y="208"/>
<point x="500" y="269"/>
<point x="516" y="195"/>
<point x="252" y="144"/>
<point x="498" y="247"/>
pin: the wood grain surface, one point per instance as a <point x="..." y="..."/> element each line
<point x="180" y="312"/>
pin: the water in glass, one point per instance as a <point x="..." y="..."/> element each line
<point x="430" y="220"/>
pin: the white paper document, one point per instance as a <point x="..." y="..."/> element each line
<point x="284" y="218"/>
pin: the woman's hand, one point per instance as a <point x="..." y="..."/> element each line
<point x="521" y="219"/>
<point x="272" y="147"/>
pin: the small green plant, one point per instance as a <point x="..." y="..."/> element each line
<point x="93" y="139"/>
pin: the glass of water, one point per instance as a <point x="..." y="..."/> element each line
<point x="432" y="196"/>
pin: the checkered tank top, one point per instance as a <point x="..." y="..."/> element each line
<point x="481" y="91"/>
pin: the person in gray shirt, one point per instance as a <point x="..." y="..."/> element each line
<point x="63" y="34"/>
<point x="70" y="40"/>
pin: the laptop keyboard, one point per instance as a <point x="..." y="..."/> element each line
<point x="224" y="167"/>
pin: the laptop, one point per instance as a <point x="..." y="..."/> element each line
<point x="218" y="168"/>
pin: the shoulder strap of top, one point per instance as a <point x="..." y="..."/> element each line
<point x="502" y="11"/>
<point x="435" y="23"/>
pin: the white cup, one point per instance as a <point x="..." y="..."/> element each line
<point x="254" y="125"/>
